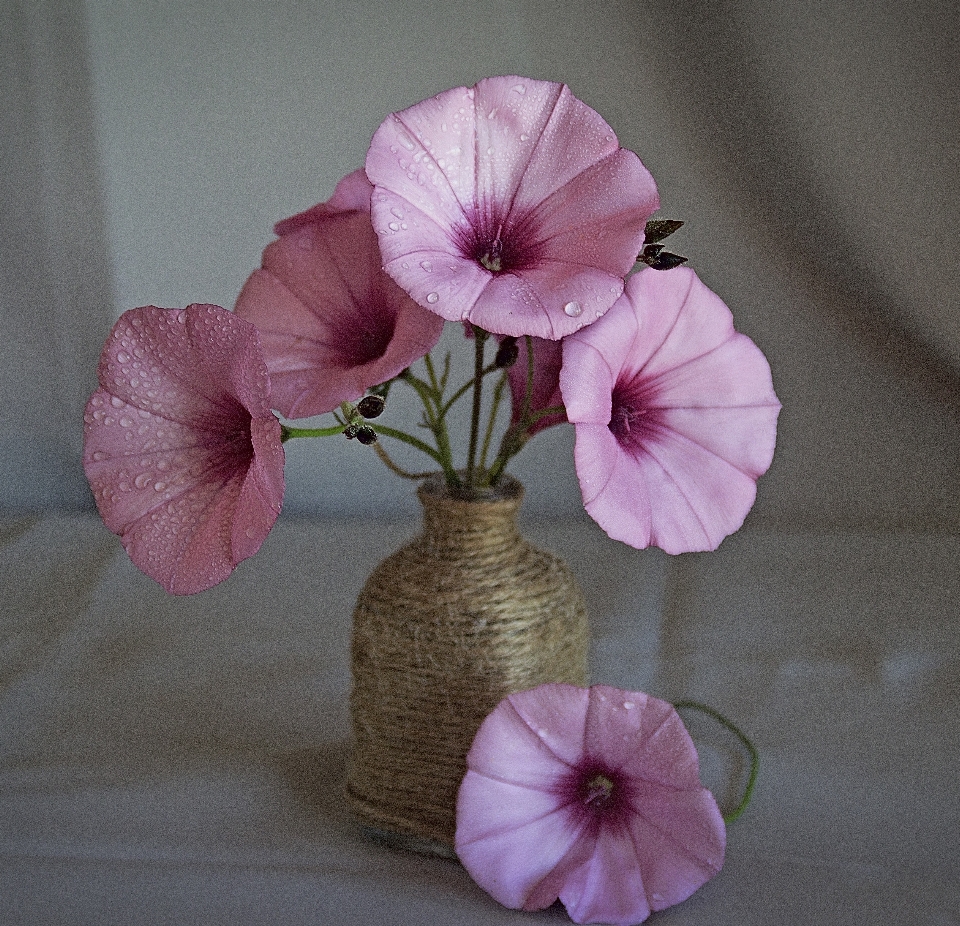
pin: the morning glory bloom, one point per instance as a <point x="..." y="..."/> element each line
<point x="510" y="205"/>
<point x="332" y="323"/>
<point x="674" y="412"/>
<point x="180" y="447"/>
<point x="589" y="795"/>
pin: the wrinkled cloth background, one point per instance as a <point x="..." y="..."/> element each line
<point x="178" y="760"/>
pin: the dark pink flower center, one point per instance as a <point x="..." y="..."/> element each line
<point x="596" y="795"/>
<point x="500" y="245"/>
<point x="229" y="438"/>
<point x="634" y="420"/>
<point x="362" y="337"/>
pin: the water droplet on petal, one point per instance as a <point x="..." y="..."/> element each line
<point x="573" y="309"/>
<point x="520" y="89"/>
<point x="393" y="226"/>
<point x="432" y="298"/>
<point x="426" y="265"/>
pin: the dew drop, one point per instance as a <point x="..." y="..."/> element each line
<point x="393" y="226"/>
<point x="520" y="89"/>
<point x="492" y="113"/>
<point x="123" y="357"/>
<point x="432" y="298"/>
<point x="406" y="141"/>
<point x="397" y="212"/>
<point x="573" y="309"/>
<point x="426" y="265"/>
<point x="629" y="705"/>
<point x="523" y="136"/>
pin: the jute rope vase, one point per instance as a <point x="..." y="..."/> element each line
<point x="465" y="614"/>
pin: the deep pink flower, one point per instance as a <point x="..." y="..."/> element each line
<point x="675" y="415"/>
<point x="592" y="796"/>
<point x="546" y="382"/>
<point x="180" y="447"/>
<point x="332" y="323"/>
<point x="509" y="204"/>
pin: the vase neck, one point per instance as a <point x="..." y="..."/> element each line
<point x="461" y="525"/>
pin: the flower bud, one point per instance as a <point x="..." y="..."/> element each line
<point x="371" y="406"/>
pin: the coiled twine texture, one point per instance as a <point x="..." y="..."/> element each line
<point x="444" y="629"/>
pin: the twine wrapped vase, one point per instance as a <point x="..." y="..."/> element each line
<point x="465" y="614"/>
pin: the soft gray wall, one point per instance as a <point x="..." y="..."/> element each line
<point x="812" y="149"/>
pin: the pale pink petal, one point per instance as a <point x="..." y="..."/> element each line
<point x="511" y="839"/>
<point x="631" y="729"/>
<point x="609" y="886"/>
<point x="510" y="749"/>
<point x="521" y="194"/>
<point x="675" y="415"/>
<point x="180" y="448"/>
<point x="679" y="838"/>
<point x="332" y="323"/>
<point x="557" y="713"/>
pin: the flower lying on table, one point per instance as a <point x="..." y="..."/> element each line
<point x="592" y="796"/>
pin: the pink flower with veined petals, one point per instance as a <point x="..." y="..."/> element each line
<point x="332" y="323"/>
<point x="509" y="204"/>
<point x="592" y="796"/>
<point x="546" y="382"/>
<point x="180" y="447"/>
<point x="675" y="415"/>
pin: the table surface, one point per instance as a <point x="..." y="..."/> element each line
<point x="181" y="760"/>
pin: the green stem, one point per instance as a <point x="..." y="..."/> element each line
<point x="491" y="423"/>
<point x="462" y="391"/>
<point x="287" y="432"/>
<point x="430" y="396"/>
<point x="479" y="340"/>
<point x="407" y="439"/>
<point x="737" y="811"/>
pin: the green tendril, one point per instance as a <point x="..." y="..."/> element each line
<point x="737" y="811"/>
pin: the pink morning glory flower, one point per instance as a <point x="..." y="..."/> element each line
<point x="509" y="204"/>
<point x="180" y="447"/>
<point x="332" y="323"/>
<point x="675" y="415"/>
<point x="592" y="796"/>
